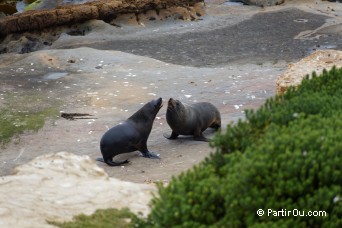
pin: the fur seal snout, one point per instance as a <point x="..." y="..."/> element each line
<point x="131" y="135"/>
<point x="192" y="119"/>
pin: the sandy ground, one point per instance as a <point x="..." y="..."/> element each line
<point x="112" y="84"/>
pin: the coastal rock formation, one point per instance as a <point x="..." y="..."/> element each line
<point x="106" y="10"/>
<point x="59" y="186"/>
<point x="317" y="61"/>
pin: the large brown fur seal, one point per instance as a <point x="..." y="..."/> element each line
<point x="191" y="119"/>
<point x="131" y="135"/>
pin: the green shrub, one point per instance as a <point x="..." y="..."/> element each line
<point x="102" y="218"/>
<point x="286" y="155"/>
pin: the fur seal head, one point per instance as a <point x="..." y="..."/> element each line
<point x="175" y="111"/>
<point x="148" y="111"/>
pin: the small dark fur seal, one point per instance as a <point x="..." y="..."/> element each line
<point x="131" y="135"/>
<point x="191" y="119"/>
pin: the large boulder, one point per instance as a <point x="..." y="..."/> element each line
<point x="59" y="186"/>
<point x="317" y="61"/>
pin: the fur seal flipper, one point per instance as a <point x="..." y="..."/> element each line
<point x="191" y="119"/>
<point x="111" y="162"/>
<point x="131" y="135"/>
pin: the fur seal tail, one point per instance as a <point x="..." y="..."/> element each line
<point x="111" y="163"/>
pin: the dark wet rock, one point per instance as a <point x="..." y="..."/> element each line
<point x="261" y="2"/>
<point x="27" y="42"/>
<point x="264" y="37"/>
<point x="76" y="32"/>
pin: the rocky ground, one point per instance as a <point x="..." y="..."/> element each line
<point x="231" y="57"/>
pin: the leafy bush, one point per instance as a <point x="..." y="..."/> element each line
<point x="287" y="155"/>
